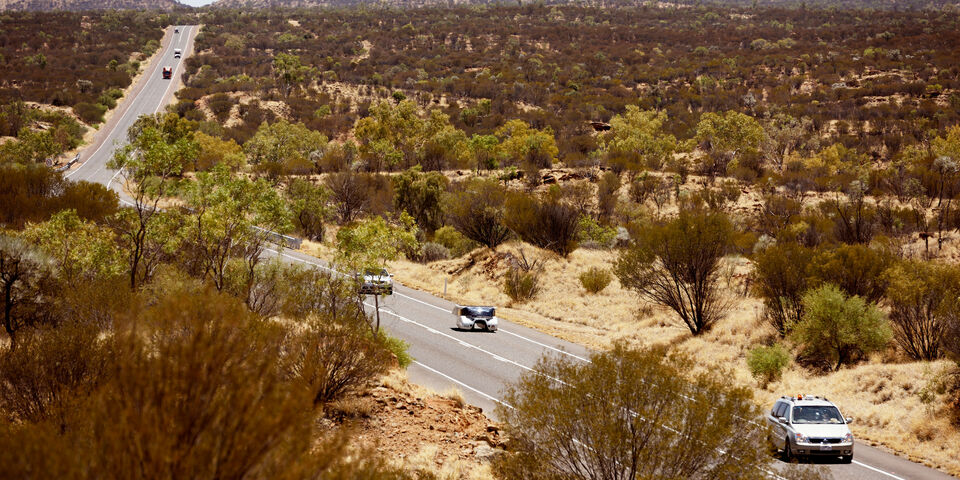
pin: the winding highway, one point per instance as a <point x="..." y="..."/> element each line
<point x="479" y="364"/>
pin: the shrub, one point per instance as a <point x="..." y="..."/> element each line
<point x="592" y="234"/>
<point x="767" y="363"/>
<point x="431" y="252"/>
<point x="857" y="269"/>
<point x="398" y="348"/>
<point x="521" y="285"/>
<point x="90" y="112"/>
<point x="838" y="329"/>
<point x="920" y="297"/>
<point x="677" y="264"/>
<point x="545" y="222"/>
<point x="595" y="279"/>
<point x="651" y="390"/>
<point x="476" y="209"/>
<point x="455" y="241"/>
<point x="780" y="279"/>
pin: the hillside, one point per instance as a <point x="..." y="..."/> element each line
<point x="77" y="5"/>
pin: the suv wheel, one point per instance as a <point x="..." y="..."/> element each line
<point x="787" y="451"/>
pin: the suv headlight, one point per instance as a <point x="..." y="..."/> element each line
<point x="848" y="438"/>
<point x="801" y="438"/>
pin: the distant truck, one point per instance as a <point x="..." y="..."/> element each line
<point x="167" y="73"/>
<point x="177" y="53"/>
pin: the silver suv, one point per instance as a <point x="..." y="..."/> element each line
<point x="808" y="426"/>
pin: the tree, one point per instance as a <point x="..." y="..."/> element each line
<point x="214" y="151"/>
<point x="856" y="269"/>
<point x="838" y="329"/>
<point x="677" y="264"/>
<point x="629" y="413"/>
<point x="232" y="217"/>
<point x="920" y="295"/>
<point x="728" y="136"/>
<point x="80" y="249"/>
<point x="290" y="72"/>
<point x="159" y="148"/>
<point x="285" y="146"/>
<point x="25" y="280"/>
<point x="370" y="244"/>
<point x="637" y="139"/>
<point x="524" y="145"/>
<point x="476" y="209"/>
<point x="419" y="194"/>
<point x="348" y="192"/>
<point x="308" y="206"/>
<point x="545" y="221"/>
<point x="780" y="279"/>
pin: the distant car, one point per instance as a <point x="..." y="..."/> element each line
<point x="177" y="53"/>
<point x="469" y="317"/>
<point x="376" y="282"/>
<point x="167" y="73"/>
<point x="176" y="30"/>
<point x="808" y="426"/>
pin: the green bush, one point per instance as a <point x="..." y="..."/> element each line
<point x="595" y="279"/>
<point x="398" y="347"/>
<point x="521" y="285"/>
<point x="90" y="112"/>
<point x="767" y="363"/>
<point x="592" y="234"/>
<point x="456" y="242"/>
<point x="432" y="251"/>
<point x="837" y="329"/>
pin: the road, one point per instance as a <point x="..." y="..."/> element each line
<point x="479" y="364"/>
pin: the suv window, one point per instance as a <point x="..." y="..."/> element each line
<point x="781" y="410"/>
<point x="816" y="414"/>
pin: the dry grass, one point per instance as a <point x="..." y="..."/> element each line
<point x="882" y="393"/>
<point x="428" y="460"/>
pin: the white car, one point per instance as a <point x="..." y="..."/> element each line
<point x="476" y="316"/>
<point x="376" y="282"/>
<point x="177" y="53"/>
<point x="809" y="426"/>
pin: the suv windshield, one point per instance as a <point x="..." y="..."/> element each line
<point x="370" y="272"/>
<point x="816" y="414"/>
<point x="478" y="311"/>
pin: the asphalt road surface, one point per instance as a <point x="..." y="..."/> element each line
<point x="477" y="363"/>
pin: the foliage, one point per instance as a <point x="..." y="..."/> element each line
<point x="838" y="329"/>
<point x="432" y="252"/>
<point x="545" y="221"/>
<point x="398" y="348"/>
<point x="371" y="243"/>
<point x="767" y="363"/>
<point x="32" y="193"/>
<point x="288" y="147"/>
<point x="637" y="140"/>
<point x="476" y="209"/>
<point x="921" y="296"/>
<point x="728" y="136"/>
<point x="456" y="243"/>
<point x="593" y="234"/>
<point x="419" y="195"/>
<point x="780" y="279"/>
<point x="524" y="145"/>
<point x="676" y="264"/>
<point x="595" y="279"/>
<point x="80" y="249"/>
<point x="214" y="151"/>
<point x="26" y="280"/>
<point x="857" y="269"/>
<point x="309" y="207"/>
<point x="671" y="425"/>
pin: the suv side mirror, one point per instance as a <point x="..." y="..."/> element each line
<point x="782" y="420"/>
<point x="849" y="419"/>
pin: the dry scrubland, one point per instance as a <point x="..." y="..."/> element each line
<point x="884" y="397"/>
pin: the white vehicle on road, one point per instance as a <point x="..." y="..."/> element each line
<point x="476" y="316"/>
<point x="809" y="426"/>
<point x="177" y="53"/>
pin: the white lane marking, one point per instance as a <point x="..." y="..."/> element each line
<point x="864" y="465"/>
<point x="464" y="385"/>
<point x="125" y="113"/>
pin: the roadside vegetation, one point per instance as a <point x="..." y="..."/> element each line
<point x="768" y="192"/>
